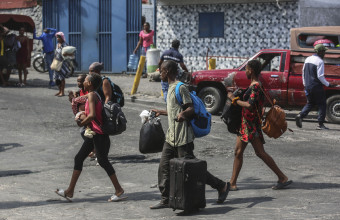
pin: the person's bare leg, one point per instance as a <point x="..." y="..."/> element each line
<point x="70" y="190"/>
<point x="116" y="184"/>
<point x="25" y="74"/>
<point x="2" y="78"/>
<point x="268" y="160"/>
<point x="238" y="161"/>
<point x="62" y="88"/>
<point x="59" y="87"/>
<point x="20" y="75"/>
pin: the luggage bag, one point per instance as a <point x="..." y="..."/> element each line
<point x="187" y="184"/>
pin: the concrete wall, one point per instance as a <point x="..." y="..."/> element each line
<point x="319" y="13"/>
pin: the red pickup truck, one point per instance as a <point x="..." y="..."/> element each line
<point x="281" y="77"/>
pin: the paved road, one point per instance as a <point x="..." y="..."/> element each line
<point x="38" y="140"/>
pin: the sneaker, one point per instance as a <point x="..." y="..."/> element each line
<point x="298" y="121"/>
<point x="322" y="127"/>
<point x="52" y="83"/>
<point x="160" y="205"/>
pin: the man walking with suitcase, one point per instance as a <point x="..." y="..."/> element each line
<point x="179" y="137"/>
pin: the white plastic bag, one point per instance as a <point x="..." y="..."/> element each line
<point x="145" y="116"/>
<point x="68" y="52"/>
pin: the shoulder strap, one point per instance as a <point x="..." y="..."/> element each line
<point x="266" y="95"/>
<point x="111" y="83"/>
<point x="178" y="94"/>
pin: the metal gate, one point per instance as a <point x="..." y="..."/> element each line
<point x="134" y="23"/>
<point x="105" y="34"/>
<point x="50" y="16"/>
<point x="75" y="28"/>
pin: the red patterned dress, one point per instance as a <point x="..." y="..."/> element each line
<point x="251" y="123"/>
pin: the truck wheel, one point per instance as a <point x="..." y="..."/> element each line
<point x="212" y="99"/>
<point x="333" y="109"/>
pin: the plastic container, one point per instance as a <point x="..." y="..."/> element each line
<point x="133" y="62"/>
<point x="153" y="55"/>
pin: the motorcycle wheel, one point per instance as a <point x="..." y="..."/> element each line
<point x="39" y="65"/>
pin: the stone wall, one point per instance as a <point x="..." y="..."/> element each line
<point x="248" y="28"/>
<point x="36" y="14"/>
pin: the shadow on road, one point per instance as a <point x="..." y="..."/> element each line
<point x="132" y="159"/>
<point x="8" y="146"/>
<point x="252" y="200"/>
<point x="15" y="172"/>
<point x="208" y="211"/>
<point x="314" y="186"/>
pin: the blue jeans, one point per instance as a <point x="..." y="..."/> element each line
<point x="165" y="87"/>
<point x="315" y="96"/>
<point x="48" y="60"/>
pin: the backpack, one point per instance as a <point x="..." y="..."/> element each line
<point x="274" y="124"/>
<point x="201" y="122"/>
<point x="117" y="93"/>
<point x="232" y="114"/>
<point x="114" y="121"/>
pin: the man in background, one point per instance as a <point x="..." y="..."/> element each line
<point x="174" y="55"/>
<point x="46" y="37"/>
<point x="313" y="78"/>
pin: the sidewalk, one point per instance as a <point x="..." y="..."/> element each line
<point x="147" y="92"/>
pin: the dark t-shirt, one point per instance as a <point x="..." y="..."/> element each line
<point x="172" y="54"/>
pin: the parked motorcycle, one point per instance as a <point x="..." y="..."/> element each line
<point x="39" y="62"/>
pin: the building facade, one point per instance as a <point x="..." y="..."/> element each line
<point x="234" y="30"/>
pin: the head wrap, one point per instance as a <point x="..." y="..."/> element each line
<point x="61" y="34"/>
<point x="96" y="67"/>
<point x="320" y="47"/>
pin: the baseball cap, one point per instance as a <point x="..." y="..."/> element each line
<point x="320" y="47"/>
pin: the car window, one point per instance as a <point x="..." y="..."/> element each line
<point x="270" y="61"/>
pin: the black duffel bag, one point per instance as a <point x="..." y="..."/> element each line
<point x="232" y="114"/>
<point x="152" y="137"/>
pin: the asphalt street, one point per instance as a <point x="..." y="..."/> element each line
<point x="39" y="139"/>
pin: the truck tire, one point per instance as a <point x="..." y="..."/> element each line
<point x="212" y="98"/>
<point x="333" y="109"/>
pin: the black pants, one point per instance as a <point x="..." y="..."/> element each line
<point x="315" y="96"/>
<point x="169" y="152"/>
<point x="100" y="142"/>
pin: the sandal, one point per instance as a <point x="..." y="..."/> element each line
<point x="282" y="185"/>
<point x="61" y="192"/>
<point x="233" y="189"/>
<point x="115" y="198"/>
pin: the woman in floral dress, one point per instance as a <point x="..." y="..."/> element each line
<point x="250" y="130"/>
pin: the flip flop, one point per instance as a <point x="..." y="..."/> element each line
<point x="233" y="189"/>
<point x="282" y="185"/>
<point x="115" y="198"/>
<point x="61" y="192"/>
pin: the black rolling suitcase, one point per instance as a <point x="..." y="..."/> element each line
<point x="187" y="184"/>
